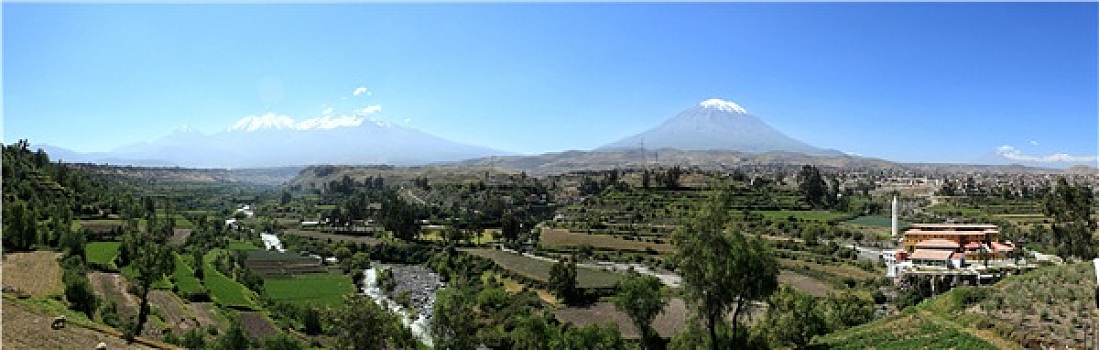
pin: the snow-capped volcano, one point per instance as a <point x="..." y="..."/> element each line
<point x="716" y="124"/>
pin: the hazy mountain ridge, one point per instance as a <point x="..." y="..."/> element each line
<point x="369" y="143"/>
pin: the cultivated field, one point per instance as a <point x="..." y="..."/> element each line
<point x="34" y="273"/>
<point x="804" y="283"/>
<point x="257" y="325"/>
<point x="334" y="237"/>
<point x="538" y="270"/>
<point x="111" y="287"/>
<point x="224" y="290"/>
<point x="317" y="289"/>
<point x="101" y="252"/>
<point x="668" y="323"/>
<point x="27" y="329"/>
<point x="560" y="238"/>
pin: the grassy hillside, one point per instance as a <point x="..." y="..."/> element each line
<point x="1044" y="307"/>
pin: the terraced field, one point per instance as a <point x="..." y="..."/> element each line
<point x="538" y="269"/>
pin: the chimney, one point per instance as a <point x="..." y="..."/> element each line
<point x="894" y="223"/>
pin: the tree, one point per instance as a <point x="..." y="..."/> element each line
<point x="534" y="332"/>
<point x="1070" y="206"/>
<point x="233" y="339"/>
<point x="453" y="325"/>
<point x="311" y="318"/>
<point x="722" y="268"/>
<point x="812" y="186"/>
<point x="591" y="336"/>
<point x="20" y="226"/>
<point x="846" y="309"/>
<point x="362" y="324"/>
<point x="792" y="318"/>
<point x="152" y="259"/>
<point x="562" y="280"/>
<point x="640" y="297"/>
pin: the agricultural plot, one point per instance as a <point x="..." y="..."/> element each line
<point x="25" y="328"/>
<point x="804" y="283"/>
<point x="102" y="252"/>
<point x="34" y="273"/>
<point x="334" y="237"/>
<point x="539" y="270"/>
<point x="317" y="289"/>
<point x="111" y="287"/>
<point x="561" y="238"/>
<point x="271" y="263"/>
<point x="224" y="290"/>
<point x="242" y="245"/>
<point x="821" y="216"/>
<point x="670" y="322"/>
<point x="184" y="277"/>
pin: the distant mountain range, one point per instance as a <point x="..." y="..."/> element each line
<point x="253" y="144"/>
<point x="717" y="124"/>
<point x="715" y="133"/>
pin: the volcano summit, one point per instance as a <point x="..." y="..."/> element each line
<point x="716" y="124"/>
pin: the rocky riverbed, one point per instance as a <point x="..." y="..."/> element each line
<point x="419" y="283"/>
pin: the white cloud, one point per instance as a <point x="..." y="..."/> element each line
<point x="370" y="109"/>
<point x="360" y="90"/>
<point x="1012" y="153"/>
<point x="1033" y="143"/>
<point x="328" y="111"/>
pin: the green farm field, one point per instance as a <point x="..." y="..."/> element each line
<point x="224" y="290"/>
<point x="102" y="252"/>
<point x="326" y="289"/>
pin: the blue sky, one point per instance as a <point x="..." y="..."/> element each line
<point x="943" y="82"/>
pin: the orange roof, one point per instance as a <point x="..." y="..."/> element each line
<point x="931" y="254"/>
<point x="937" y="243"/>
<point x="972" y="245"/>
<point x="1001" y="247"/>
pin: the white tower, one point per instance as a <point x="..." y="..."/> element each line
<point x="894" y="216"/>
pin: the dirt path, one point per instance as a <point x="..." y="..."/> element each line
<point x="27" y="329"/>
<point x="985" y="335"/>
<point x="33" y="273"/>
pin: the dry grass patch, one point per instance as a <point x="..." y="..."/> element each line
<point x="804" y="283"/>
<point x="555" y="238"/>
<point x="28" y="329"/>
<point x="668" y="323"/>
<point x="33" y="273"/>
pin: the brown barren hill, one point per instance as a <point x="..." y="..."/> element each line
<point x="33" y="273"/>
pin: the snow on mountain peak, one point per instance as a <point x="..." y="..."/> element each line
<point x="723" y="105"/>
<point x="281" y="122"/>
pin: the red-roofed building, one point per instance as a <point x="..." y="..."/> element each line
<point x="969" y="241"/>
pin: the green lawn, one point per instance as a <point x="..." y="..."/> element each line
<point x="102" y="252"/>
<point x="326" y="289"/>
<point x="224" y="290"/>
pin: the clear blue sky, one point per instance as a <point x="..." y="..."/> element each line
<point x="940" y="82"/>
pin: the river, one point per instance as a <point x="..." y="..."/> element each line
<point x="421" y="324"/>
